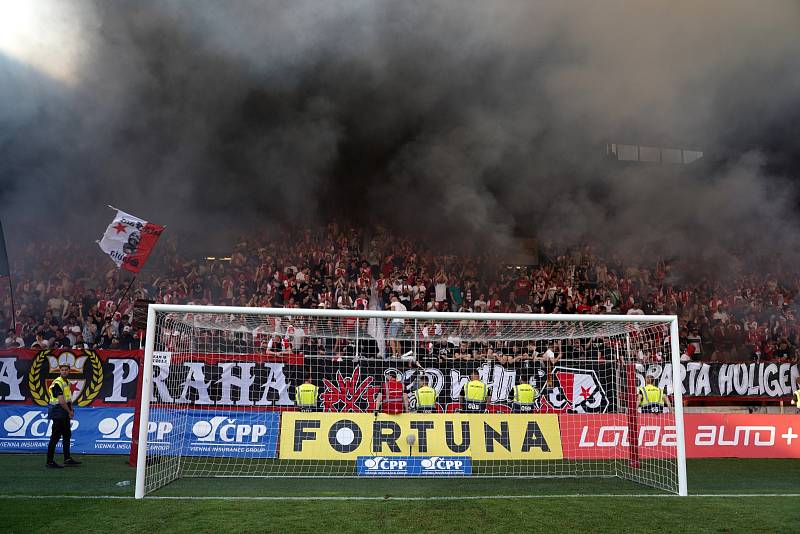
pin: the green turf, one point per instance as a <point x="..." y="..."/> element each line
<point x="25" y="475"/>
<point x="757" y="514"/>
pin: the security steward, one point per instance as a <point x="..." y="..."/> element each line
<point x="524" y="396"/>
<point x="425" y="396"/>
<point x="393" y="398"/>
<point x="60" y="412"/>
<point x="306" y="396"/>
<point x="796" y="397"/>
<point x="475" y="395"/>
<point x="651" y="398"/>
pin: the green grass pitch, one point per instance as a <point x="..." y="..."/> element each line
<point x="769" y="502"/>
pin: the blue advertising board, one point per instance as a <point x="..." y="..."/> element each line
<point x="432" y="466"/>
<point x="108" y="431"/>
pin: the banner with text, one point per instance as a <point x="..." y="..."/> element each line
<point x="708" y="435"/>
<point x="99" y="378"/>
<point x="108" y="431"/>
<point x="419" y="466"/>
<point x="763" y="379"/>
<point x="267" y="381"/>
<point x="328" y="436"/>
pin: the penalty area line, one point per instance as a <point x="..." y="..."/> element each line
<point x="401" y="498"/>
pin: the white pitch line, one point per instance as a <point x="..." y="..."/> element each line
<point x="390" y="498"/>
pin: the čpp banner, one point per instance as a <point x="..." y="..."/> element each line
<point x="109" y="431"/>
<point x="420" y="466"/>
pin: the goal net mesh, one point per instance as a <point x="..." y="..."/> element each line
<point x="273" y="395"/>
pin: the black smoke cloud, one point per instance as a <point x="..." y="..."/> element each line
<point x="460" y="122"/>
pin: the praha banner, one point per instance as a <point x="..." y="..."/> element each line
<point x="267" y="382"/>
<point x="98" y="378"/>
<point x="109" y="379"/>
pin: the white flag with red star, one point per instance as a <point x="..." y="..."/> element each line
<point x="129" y="240"/>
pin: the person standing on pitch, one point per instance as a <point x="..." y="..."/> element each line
<point x="651" y="398"/>
<point x="475" y="395"/>
<point x="60" y="412"/>
<point x="796" y="398"/>
<point x="392" y="399"/>
<point x="425" y="396"/>
<point x="306" y="396"/>
<point x="524" y="396"/>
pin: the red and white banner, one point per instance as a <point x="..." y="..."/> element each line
<point x="128" y="240"/>
<point x="708" y="435"/>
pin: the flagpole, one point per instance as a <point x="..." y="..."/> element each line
<point x="10" y="281"/>
<point x="13" y="310"/>
<point x="126" y="292"/>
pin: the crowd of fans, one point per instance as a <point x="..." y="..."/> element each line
<point x="67" y="298"/>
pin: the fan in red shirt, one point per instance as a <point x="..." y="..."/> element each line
<point x="522" y="286"/>
<point x="392" y="399"/>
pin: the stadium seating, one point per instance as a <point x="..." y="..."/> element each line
<point x="67" y="296"/>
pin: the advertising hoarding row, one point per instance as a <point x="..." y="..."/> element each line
<point x="335" y="436"/>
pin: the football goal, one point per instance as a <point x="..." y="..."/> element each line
<point x="273" y="392"/>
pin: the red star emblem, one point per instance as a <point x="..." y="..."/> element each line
<point x="586" y="392"/>
<point x="73" y="387"/>
<point x="120" y="228"/>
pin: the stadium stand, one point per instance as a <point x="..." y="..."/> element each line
<point x="68" y="298"/>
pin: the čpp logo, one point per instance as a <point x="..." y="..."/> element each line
<point x="116" y="427"/>
<point x="434" y="463"/>
<point x="222" y="429"/>
<point x="33" y="423"/>
<point x="384" y="464"/>
<point x="121" y="428"/>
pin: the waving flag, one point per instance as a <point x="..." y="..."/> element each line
<point x="129" y="241"/>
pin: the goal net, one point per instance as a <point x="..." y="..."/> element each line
<point x="267" y="392"/>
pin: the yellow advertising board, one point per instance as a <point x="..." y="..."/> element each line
<point x="346" y="436"/>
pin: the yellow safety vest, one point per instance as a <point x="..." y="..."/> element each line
<point x="306" y="395"/>
<point x="426" y="397"/>
<point x="797" y="399"/>
<point x="524" y="394"/>
<point x="63" y="383"/>
<point x="651" y="395"/>
<point x="476" y="391"/>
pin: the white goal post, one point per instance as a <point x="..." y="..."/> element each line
<point x="274" y="392"/>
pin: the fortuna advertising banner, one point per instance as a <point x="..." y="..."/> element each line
<point x="332" y="436"/>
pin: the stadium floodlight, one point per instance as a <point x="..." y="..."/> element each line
<point x="220" y="395"/>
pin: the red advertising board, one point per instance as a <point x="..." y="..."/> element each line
<point x="742" y="436"/>
<point x="710" y="435"/>
<point x="606" y="436"/>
